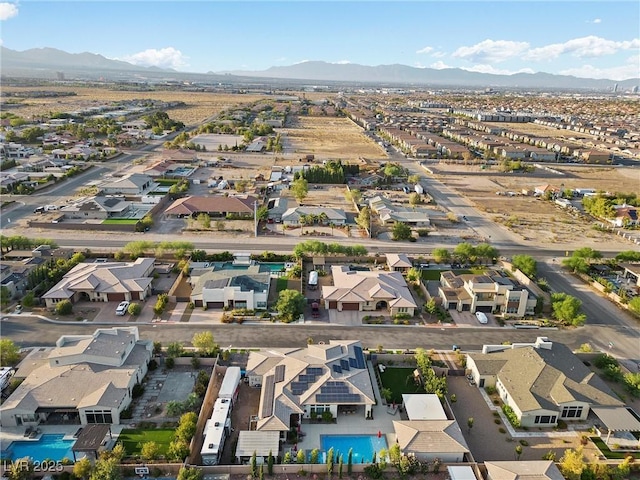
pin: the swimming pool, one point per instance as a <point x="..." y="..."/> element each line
<point x="262" y="267"/>
<point x="363" y="446"/>
<point x="48" y="447"/>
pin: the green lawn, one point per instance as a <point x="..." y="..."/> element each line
<point x="132" y="439"/>
<point x="398" y="381"/>
<point x="435" y="274"/>
<point x="120" y="221"/>
<point x="282" y="283"/>
<point x="608" y="453"/>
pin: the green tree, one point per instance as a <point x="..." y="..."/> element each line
<point x="526" y="264"/>
<point x="431" y="306"/>
<point x="150" y="451"/>
<point x="387" y="394"/>
<point x="64" y="307"/>
<point x="486" y="252"/>
<point x="175" y="349"/>
<point x="300" y="189"/>
<point x="441" y="255"/>
<point x="330" y="462"/>
<point x="21" y="469"/>
<point x="204" y="220"/>
<point x="9" y="353"/>
<point x="5" y="296"/>
<point x="82" y="468"/>
<point x="395" y="454"/>
<point x="415" y="199"/>
<point x="572" y="464"/>
<point x="632" y="383"/>
<point x="270" y="462"/>
<point x="262" y="213"/>
<point x="134" y="309"/>
<point x="634" y="305"/>
<point x="287" y="458"/>
<point x="205" y="343"/>
<point x="106" y="469"/>
<point x="190" y="473"/>
<point x="301" y="457"/>
<point x="465" y="252"/>
<point x="254" y="465"/>
<point x="350" y="462"/>
<point x="587" y="253"/>
<point x="518" y="451"/>
<point x="364" y="218"/>
<point x="577" y="264"/>
<point x="340" y="467"/>
<point x="567" y="309"/>
<point x="414" y="179"/>
<point x="401" y="231"/>
<point x="413" y="275"/>
<point x="315" y="454"/>
<point x="353" y="196"/>
<point x="290" y="305"/>
<point x="392" y="170"/>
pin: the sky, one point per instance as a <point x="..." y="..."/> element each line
<point x="592" y="39"/>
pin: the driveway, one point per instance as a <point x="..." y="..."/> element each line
<point x="468" y="319"/>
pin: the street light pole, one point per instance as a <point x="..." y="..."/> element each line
<point x="255" y="218"/>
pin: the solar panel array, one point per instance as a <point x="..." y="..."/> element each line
<point x="337" y="368"/>
<point x="269" y="389"/>
<point x="298" y="388"/>
<point x="338" y="398"/>
<point x="306" y="379"/>
<point x="314" y="371"/>
<point x="344" y="364"/>
<point x="279" y="373"/>
<point x="334" y="387"/>
<point x="353" y="363"/>
<point x="359" y="357"/>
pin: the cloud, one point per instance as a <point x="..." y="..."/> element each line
<point x="595" y="20"/>
<point x="491" y="51"/>
<point x="424" y="50"/>
<point x="418" y="65"/>
<point x="164" y="58"/>
<point x="440" y="65"/>
<point x="438" y="54"/>
<point x="8" y="10"/>
<point x="301" y="61"/>
<point x="584" y="47"/>
<point x="623" y="72"/>
<point x="342" y="62"/>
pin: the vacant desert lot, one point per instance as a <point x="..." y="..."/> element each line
<point x="199" y="105"/>
<point x="331" y="138"/>
<point x="534" y="219"/>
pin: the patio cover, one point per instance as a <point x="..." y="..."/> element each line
<point x="423" y="406"/>
<point x="91" y="438"/>
<point x="618" y="419"/>
<point x="259" y="441"/>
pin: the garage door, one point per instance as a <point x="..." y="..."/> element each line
<point x="484" y="308"/>
<point x="466" y="307"/>
<point x="135" y="295"/>
<point x="198" y="303"/>
<point x="333" y="304"/>
<point x="452" y="305"/>
<point x="350" y="306"/>
<point x="116" y="297"/>
<point x="215" y="304"/>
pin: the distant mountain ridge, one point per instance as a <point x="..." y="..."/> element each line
<point x="45" y="62"/>
<point x="403" y="74"/>
<point x="52" y="58"/>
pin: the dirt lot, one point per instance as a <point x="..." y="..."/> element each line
<point x="534" y="219"/>
<point x="199" y="105"/>
<point x="331" y="138"/>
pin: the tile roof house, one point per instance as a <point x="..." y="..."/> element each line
<point x="523" y="470"/>
<point x="390" y="213"/>
<point x="104" y="282"/>
<point x="301" y="383"/>
<point x="85" y="379"/>
<point x="491" y="293"/>
<point x="368" y="291"/>
<point x="625" y="215"/>
<point x="325" y="215"/>
<point x="97" y="208"/>
<point x="214" y="206"/>
<point x="555" y="385"/>
<point x="398" y="262"/>
<point x="431" y="439"/>
<point x="136" y="184"/>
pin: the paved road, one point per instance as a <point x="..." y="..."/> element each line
<point x="31" y="331"/>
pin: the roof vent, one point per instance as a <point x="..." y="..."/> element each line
<point x="217" y="424"/>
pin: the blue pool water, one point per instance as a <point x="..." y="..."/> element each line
<point x="363" y="446"/>
<point x="262" y="267"/>
<point x="51" y="447"/>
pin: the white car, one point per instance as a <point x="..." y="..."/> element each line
<point x="482" y="318"/>
<point x="122" y="308"/>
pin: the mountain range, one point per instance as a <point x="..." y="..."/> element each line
<point x="45" y="62"/>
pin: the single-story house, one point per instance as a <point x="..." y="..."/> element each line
<point x="231" y="288"/>
<point x="555" y="385"/>
<point x="97" y="208"/>
<point x="398" y="262"/>
<point x="431" y="439"/>
<point x="521" y="470"/>
<point x="136" y="184"/>
<point x="368" y="291"/>
<point x="214" y="206"/>
<point x="85" y="379"/>
<point x="323" y="215"/>
<point x="104" y="282"/>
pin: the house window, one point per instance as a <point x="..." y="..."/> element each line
<point x="403" y="310"/>
<point x="261" y="304"/>
<point x="571" y="412"/>
<point x="545" y="419"/>
<point x="99" y="416"/>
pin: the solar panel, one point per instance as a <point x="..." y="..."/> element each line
<point x="279" y="374"/>
<point x="269" y="388"/>
<point x="314" y="370"/>
<point x="338" y="398"/>
<point x="337" y="369"/>
<point x="344" y="364"/>
<point x="352" y="362"/>
<point x="359" y="357"/>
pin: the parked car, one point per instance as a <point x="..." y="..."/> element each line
<point x="18" y="309"/>
<point x="122" y="308"/>
<point x="482" y="318"/>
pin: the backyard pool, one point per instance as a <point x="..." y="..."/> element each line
<point x="47" y="447"/>
<point x="262" y="267"/>
<point x="364" y="446"/>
